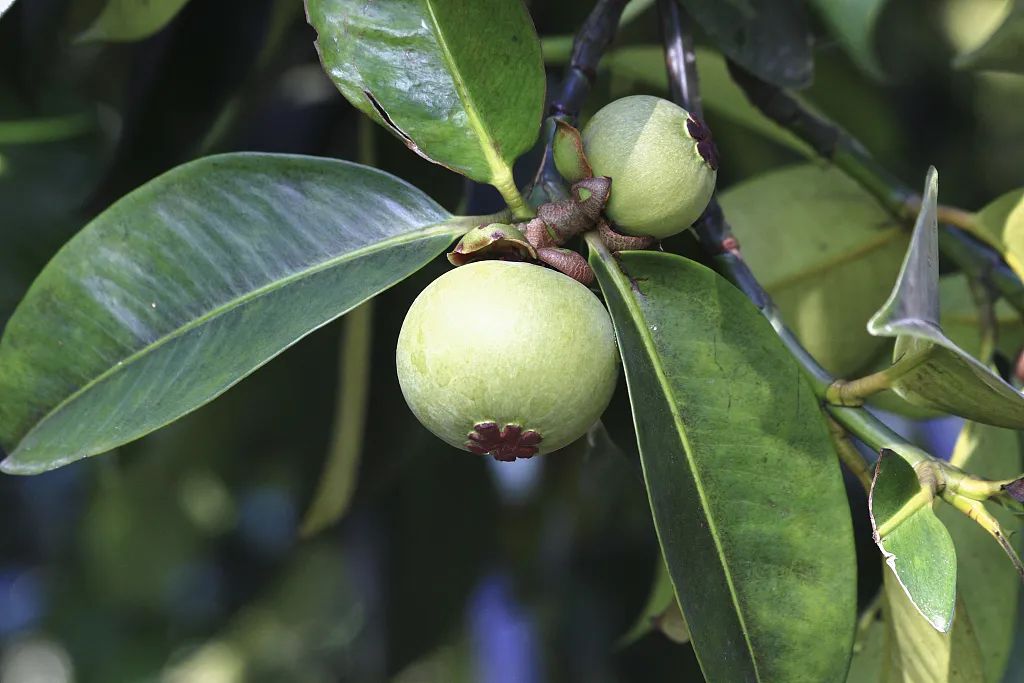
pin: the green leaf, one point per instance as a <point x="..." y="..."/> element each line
<point x="46" y="129"/>
<point x="769" y="38"/>
<point x="913" y="541"/>
<point x="661" y="612"/>
<point x="1001" y="51"/>
<point x="190" y="283"/>
<point x="929" y="369"/>
<point x="988" y="584"/>
<point x="1001" y="224"/>
<point x="461" y="82"/>
<point x="826" y="282"/>
<point x="853" y="24"/>
<point x="917" y="652"/>
<point x="633" y="9"/>
<point x="128" y="20"/>
<point x="747" y="499"/>
<point x="338" y="480"/>
<point x="870" y="652"/>
<point x="47" y="174"/>
<point x="961" y="320"/>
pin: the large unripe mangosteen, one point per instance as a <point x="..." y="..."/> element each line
<point x="507" y="359"/>
<point x="661" y="160"/>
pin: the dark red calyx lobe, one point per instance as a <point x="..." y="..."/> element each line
<point x="705" y="145"/>
<point x="505" y="444"/>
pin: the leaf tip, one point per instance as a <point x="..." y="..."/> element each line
<point x="1015" y="489"/>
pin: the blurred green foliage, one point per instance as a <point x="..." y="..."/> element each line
<point x="178" y="558"/>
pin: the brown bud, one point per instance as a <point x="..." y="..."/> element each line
<point x="568" y="262"/>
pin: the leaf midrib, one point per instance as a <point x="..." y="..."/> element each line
<point x="499" y="169"/>
<point x="435" y="230"/>
<point x="641" y="327"/>
<point x="885" y="239"/>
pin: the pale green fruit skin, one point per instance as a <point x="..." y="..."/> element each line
<point x="509" y="343"/>
<point x="660" y="183"/>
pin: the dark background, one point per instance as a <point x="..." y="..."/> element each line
<point x="177" y="558"/>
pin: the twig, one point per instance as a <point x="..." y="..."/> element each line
<point x="589" y="45"/>
<point x="972" y="255"/>
<point x="716" y="237"/>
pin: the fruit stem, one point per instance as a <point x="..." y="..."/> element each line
<point x="974" y="256"/>
<point x="976" y="511"/>
<point x="505" y="184"/>
<point x="716" y="237"/>
<point x="588" y="46"/>
<point x="849" y="455"/>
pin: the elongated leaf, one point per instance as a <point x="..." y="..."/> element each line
<point x="826" y="283"/>
<point x="917" y="653"/>
<point x="934" y="372"/>
<point x="915" y="544"/>
<point x="1002" y="223"/>
<point x="43" y="186"/>
<point x="127" y="20"/>
<point x="461" y="82"/>
<point x="853" y="23"/>
<point x="1003" y="50"/>
<point x="770" y="38"/>
<point x="961" y="322"/>
<point x="747" y="499"/>
<point x="988" y="583"/>
<point x="661" y="612"/>
<point x="46" y="129"/>
<point x="190" y="283"/>
<point x="338" y="480"/>
<point x="870" y="649"/>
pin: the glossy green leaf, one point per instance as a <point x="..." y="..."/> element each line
<point x="1001" y="223"/>
<point x="338" y="480"/>
<point x="913" y="541"/>
<point x="988" y="583"/>
<point x="127" y="20"/>
<point x="661" y="612"/>
<point x="853" y="23"/>
<point x="461" y="82"/>
<point x="826" y="282"/>
<point x="191" y="282"/>
<point x="917" y="653"/>
<point x="929" y="369"/>
<point x="747" y="499"/>
<point x="770" y="38"/>
<point x="1001" y="51"/>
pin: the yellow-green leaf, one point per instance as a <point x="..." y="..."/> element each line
<point x="841" y="252"/>
<point x="988" y="582"/>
